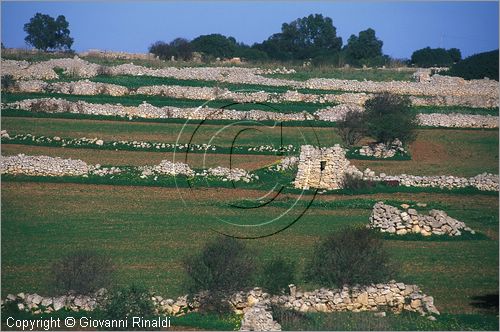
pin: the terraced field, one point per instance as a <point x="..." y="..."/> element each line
<point x="147" y="227"/>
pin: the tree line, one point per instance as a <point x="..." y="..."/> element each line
<point x="309" y="39"/>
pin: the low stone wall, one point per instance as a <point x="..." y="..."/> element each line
<point x="86" y="87"/>
<point x="145" y="110"/>
<point x="389" y="219"/>
<point x="457" y="120"/>
<point x="117" y="55"/>
<point x="42" y="166"/>
<point x="484" y="93"/>
<point x="381" y="150"/>
<point x="55" y="166"/>
<point x="326" y="168"/>
<point x="255" y="305"/>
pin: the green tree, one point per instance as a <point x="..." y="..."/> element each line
<point x="364" y="49"/>
<point x="45" y="33"/>
<point x="215" y="45"/>
<point x="304" y="38"/>
<point x="429" y="57"/>
<point x="387" y="117"/>
<point x="476" y="66"/>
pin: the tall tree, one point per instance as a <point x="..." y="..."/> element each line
<point x="303" y="38"/>
<point x="215" y="45"/>
<point x="45" y="33"/>
<point x="363" y="48"/>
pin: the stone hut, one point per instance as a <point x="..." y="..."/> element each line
<point x="321" y="168"/>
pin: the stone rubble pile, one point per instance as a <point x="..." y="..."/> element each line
<point x="390" y="219"/>
<point x="145" y="110"/>
<point x="381" y="150"/>
<point x="259" y="318"/>
<point x="42" y="166"/>
<point x="285" y="164"/>
<point x="255" y="305"/>
<point x="477" y="93"/>
<point x="230" y="174"/>
<point x="166" y="167"/>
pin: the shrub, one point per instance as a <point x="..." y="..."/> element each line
<point x="477" y="66"/>
<point x="127" y="302"/>
<point x="350" y="256"/>
<point x="277" y="275"/>
<point x="8" y="82"/>
<point x="388" y="117"/>
<point x="353" y="182"/>
<point x="222" y="267"/>
<point x="83" y="271"/>
<point x="351" y="128"/>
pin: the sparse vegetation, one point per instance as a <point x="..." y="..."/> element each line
<point x="348" y="257"/>
<point x="83" y="271"/>
<point x="222" y="267"/>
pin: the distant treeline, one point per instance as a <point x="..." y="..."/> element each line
<point x="312" y="38"/>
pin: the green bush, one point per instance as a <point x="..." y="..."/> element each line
<point x="82" y="271"/>
<point x="388" y="117"/>
<point x="277" y="275"/>
<point x="127" y="302"/>
<point x="477" y="66"/>
<point x="223" y="267"/>
<point x="350" y="256"/>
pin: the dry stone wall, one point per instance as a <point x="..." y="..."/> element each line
<point x="55" y="166"/>
<point x="145" y="110"/>
<point x="326" y="168"/>
<point x="481" y="93"/>
<point x="255" y="305"/>
<point x="389" y="219"/>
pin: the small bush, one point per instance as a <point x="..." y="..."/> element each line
<point x="351" y="128"/>
<point x="356" y="183"/>
<point x="222" y="267"/>
<point x="277" y="275"/>
<point x="83" y="271"/>
<point x="8" y="83"/>
<point x="127" y="302"/>
<point x="350" y="256"/>
<point x="388" y="117"/>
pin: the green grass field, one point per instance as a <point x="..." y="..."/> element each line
<point x="148" y="226"/>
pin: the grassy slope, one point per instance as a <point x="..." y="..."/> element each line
<point x="149" y="230"/>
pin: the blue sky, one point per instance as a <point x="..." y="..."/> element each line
<point x="133" y="26"/>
